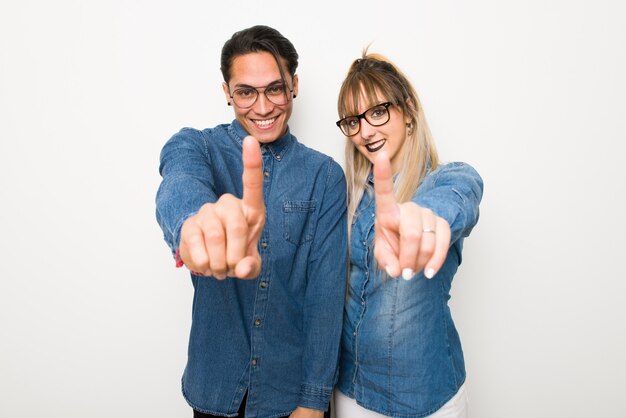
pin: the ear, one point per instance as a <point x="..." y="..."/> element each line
<point x="411" y="106"/>
<point x="227" y="94"/>
<point x="295" y="85"/>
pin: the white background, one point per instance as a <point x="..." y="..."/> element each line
<point x="94" y="318"/>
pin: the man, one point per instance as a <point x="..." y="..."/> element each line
<point x="263" y="230"/>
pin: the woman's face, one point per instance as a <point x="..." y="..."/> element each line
<point x="389" y="137"/>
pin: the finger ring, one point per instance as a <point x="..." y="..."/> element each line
<point x="427" y="230"/>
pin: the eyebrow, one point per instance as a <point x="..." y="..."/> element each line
<point x="242" y="85"/>
<point x="368" y="109"/>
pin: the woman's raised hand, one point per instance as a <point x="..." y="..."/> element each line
<point x="408" y="238"/>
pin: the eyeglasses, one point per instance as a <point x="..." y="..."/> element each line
<point x="375" y="116"/>
<point x="245" y="97"/>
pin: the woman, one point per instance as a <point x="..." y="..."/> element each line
<point x="401" y="355"/>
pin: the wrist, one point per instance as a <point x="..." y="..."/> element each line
<point x="302" y="412"/>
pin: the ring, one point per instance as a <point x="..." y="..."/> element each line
<point x="427" y="230"/>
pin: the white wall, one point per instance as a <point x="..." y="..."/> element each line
<point x="93" y="316"/>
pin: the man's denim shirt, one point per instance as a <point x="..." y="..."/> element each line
<point x="275" y="337"/>
<point x="401" y="355"/>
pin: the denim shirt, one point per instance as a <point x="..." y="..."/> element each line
<point x="401" y="355"/>
<point x="275" y="337"/>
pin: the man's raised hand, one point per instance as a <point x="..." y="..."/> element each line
<point x="221" y="239"/>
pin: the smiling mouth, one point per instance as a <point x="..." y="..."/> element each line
<point x="264" y="123"/>
<point x="375" y="146"/>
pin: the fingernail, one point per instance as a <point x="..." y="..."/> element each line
<point x="407" y="274"/>
<point x="429" y="273"/>
<point x="388" y="270"/>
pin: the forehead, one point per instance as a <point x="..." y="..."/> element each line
<point x="363" y="100"/>
<point x="254" y="69"/>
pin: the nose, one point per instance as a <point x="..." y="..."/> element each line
<point x="367" y="131"/>
<point x="263" y="106"/>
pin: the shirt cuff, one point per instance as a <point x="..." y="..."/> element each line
<point x="179" y="261"/>
<point x="315" y="397"/>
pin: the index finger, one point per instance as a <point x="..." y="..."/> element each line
<point x="383" y="187"/>
<point x="252" y="176"/>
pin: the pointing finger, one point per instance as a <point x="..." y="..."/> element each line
<point x="252" y="177"/>
<point x="383" y="188"/>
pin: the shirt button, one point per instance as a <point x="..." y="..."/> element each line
<point x="354" y="333"/>
<point x="254" y="362"/>
<point x="278" y="157"/>
<point x="263" y="284"/>
<point x="264" y="245"/>
<point x="266" y="173"/>
<point x="257" y="322"/>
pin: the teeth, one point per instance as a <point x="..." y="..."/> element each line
<point x="376" y="145"/>
<point x="265" y="122"/>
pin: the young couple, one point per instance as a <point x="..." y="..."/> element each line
<point x="271" y="231"/>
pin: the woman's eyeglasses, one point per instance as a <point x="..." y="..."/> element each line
<point x="376" y="116"/>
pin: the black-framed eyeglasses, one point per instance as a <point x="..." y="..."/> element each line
<point x="277" y="93"/>
<point x="376" y="116"/>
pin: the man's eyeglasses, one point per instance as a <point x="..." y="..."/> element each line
<point x="245" y="97"/>
<point x="375" y="116"/>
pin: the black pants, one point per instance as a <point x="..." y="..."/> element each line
<point x="242" y="412"/>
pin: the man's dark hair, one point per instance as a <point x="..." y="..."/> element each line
<point x="259" y="39"/>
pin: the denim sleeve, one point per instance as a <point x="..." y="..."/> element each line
<point x="187" y="183"/>
<point x="453" y="192"/>
<point x="325" y="294"/>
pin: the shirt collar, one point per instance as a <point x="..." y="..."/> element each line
<point x="278" y="148"/>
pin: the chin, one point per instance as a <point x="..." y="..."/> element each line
<point x="269" y="135"/>
<point x="265" y="136"/>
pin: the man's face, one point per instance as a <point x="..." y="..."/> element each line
<point x="265" y="120"/>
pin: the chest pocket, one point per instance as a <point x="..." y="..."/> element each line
<point x="298" y="220"/>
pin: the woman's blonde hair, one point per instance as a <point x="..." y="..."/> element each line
<point x="368" y="77"/>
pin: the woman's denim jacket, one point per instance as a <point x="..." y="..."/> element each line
<point x="401" y="355"/>
<point x="275" y="337"/>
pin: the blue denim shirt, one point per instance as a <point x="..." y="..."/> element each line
<point x="400" y="352"/>
<point x="275" y="337"/>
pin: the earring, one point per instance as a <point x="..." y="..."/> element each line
<point x="409" y="127"/>
<point x="294" y="96"/>
<point x="229" y="104"/>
